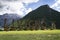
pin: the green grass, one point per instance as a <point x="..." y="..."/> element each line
<point x="30" y="35"/>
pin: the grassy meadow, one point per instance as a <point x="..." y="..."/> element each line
<point x="30" y="35"/>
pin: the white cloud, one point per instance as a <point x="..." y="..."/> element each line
<point x="27" y="11"/>
<point x="29" y="1"/>
<point x="56" y="5"/>
<point x="24" y="1"/>
<point x="15" y="6"/>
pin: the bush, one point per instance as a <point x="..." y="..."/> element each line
<point x="1" y="30"/>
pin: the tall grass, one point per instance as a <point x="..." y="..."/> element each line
<point x="30" y="35"/>
<point x="32" y="32"/>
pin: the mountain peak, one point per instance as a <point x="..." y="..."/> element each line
<point x="44" y="6"/>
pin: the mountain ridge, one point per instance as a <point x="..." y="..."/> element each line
<point x="9" y="18"/>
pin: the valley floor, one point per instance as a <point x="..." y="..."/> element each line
<point x="30" y="35"/>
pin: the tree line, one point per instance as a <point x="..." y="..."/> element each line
<point x="28" y="25"/>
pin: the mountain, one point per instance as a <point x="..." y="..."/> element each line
<point x="42" y="11"/>
<point x="43" y="17"/>
<point x="45" y="13"/>
<point x="9" y="18"/>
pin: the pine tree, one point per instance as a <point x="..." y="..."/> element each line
<point x="53" y="26"/>
<point x="43" y="23"/>
<point x="12" y="27"/>
<point x="5" y="25"/>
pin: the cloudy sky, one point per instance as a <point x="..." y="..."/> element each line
<point x="22" y="7"/>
